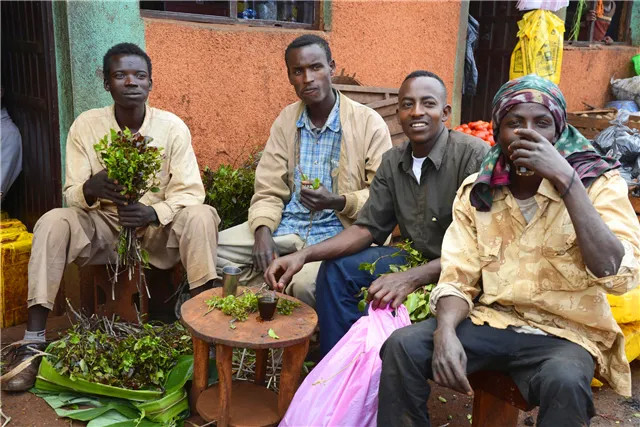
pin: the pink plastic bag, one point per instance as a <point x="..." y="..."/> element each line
<point x="342" y="390"/>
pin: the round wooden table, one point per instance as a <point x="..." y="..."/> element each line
<point x="243" y="403"/>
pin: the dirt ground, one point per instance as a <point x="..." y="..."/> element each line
<point x="25" y="409"/>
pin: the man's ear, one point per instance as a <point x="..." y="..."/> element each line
<point x="446" y="112"/>
<point x="107" y="87"/>
<point x="150" y="83"/>
<point x="332" y="67"/>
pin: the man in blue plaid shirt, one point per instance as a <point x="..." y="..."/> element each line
<point x="314" y="174"/>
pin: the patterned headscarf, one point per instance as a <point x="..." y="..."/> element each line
<point x="570" y="143"/>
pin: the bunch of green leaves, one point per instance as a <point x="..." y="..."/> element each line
<point x="413" y="259"/>
<point x="120" y="355"/>
<point x="240" y="307"/>
<point x="315" y="182"/>
<point x="417" y="303"/>
<point x="229" y="190"/>
<point x="286" y="306"/>
<point x="131" y="161"/>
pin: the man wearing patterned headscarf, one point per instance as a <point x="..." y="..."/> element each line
<point x="539" y="237"/>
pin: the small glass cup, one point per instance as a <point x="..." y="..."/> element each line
<point x="267" y="304"/>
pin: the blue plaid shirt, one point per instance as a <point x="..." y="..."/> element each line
<point x="319" y="156"/>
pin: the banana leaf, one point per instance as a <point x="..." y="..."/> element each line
<point x="117" y="407"/>
<point x="48" y="375"/>
<point x="99" y="411"/>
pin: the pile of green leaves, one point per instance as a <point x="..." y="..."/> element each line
<point x="417" y="303"/>
<point x="120" y="354"/>
<point x="240" y="307"/>
<point x="229" y="190"/>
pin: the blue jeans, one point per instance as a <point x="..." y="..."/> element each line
<point x="337" y="287"/>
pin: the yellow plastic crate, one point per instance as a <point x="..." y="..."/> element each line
<point x="626" y="308"/>
<point x="15" y="249"/>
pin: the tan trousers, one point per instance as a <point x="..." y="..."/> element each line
<point x="66" y="235"/>
<point x="235" y="245"/>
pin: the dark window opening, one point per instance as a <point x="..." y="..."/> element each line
<point x="281" y="13"/>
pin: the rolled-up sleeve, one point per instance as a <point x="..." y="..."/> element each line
<point x="185" y="186"/>
<point x="461" y="264"/>
<point x="611" y="200"/>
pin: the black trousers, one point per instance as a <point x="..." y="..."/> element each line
<point x="552" y="373"/>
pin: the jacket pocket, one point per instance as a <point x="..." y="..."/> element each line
<point x="562" y="267"/>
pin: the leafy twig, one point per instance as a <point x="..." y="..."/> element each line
<point x="417" y="303"/>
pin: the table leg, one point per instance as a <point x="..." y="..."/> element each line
<point x="292" y="361"/>
<point x="224" y="356"/>
<point x="261" y="365"/>
<point x="200" y="370"/>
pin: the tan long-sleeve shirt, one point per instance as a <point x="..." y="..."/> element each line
<point x="514" y="273"/>
<point x="179" y="178"/>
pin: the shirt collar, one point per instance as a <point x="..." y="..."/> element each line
<point x="4" y="113"/>
<point x="145" y="121"/>
<point x="436" y="154"/>
<point x="333" y="121"/>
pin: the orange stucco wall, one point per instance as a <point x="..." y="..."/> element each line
<point x="229" y="82"/>
<point x="586" y="72"/>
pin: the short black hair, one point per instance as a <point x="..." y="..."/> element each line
<point x="423" y="73"/>
<point x="123" y="49"/>
<point x="308" y="40"/>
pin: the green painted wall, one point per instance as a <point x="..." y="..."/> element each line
<point x="95" y="26"/>
<point x="63" y="74"/>
<point x="84" y="31"/>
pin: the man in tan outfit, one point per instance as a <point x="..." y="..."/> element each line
<point x="174" y="224"/>
<point x="314" y="174"/>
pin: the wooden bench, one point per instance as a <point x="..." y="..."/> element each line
<point x="497" y="401"/>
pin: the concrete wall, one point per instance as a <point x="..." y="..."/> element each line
<point x="83" y="32"/>
<point x="229" y="82"/>
<point x="586" y="72"/>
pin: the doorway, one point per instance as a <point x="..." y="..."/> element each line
<point x="498" y="36"/>
<point x="31" y="98"/>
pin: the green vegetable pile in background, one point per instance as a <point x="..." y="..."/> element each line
<point x="130" y="160"/>
<point x="417" y="303"/>
<point x="229" y="190"/>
